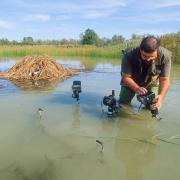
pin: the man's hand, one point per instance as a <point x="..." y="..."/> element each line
<point x="159" y="102"/>
<point x="141" y="90"/>
<point x="164" y="83"/>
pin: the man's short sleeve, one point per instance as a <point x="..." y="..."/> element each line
<point x="166" y="64"/>
<point x="126" y="65"/>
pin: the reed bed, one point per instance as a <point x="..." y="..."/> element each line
<point x="59" y="51"/>
<point x="107" y="52"/>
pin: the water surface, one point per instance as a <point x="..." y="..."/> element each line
<point x="62" y="143"/>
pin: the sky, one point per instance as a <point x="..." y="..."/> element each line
<point x="57" y="19"/>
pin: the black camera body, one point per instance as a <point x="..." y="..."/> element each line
<point x="111" y="102"/>
<point x="149" y="99"/>
<point x="76" y="88"/>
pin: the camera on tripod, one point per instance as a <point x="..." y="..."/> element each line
<point x="149" y="100"/>
<point x="111" y="102"/>
<point x="76" y="88"/>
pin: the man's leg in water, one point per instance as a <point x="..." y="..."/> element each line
<point x="126" y="95"/>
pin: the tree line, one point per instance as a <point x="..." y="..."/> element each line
<point x="90" y="37"/>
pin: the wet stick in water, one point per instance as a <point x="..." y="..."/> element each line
<point x="174" y="137"/>
<point x="166" y="141"/>
<point x="40" y="112"/>
<point x="101" y="143"/>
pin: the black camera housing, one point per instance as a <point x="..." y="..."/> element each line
<point x="111" y="102"/>
<point x="76" y="88"/>
<point x="149" y="99"/>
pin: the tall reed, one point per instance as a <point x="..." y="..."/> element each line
<point x="89" y="51"/>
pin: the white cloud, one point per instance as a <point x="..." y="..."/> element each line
<point x="96" y="14"/>
<point x="160" y="17"/>
<point x="86" y="9"/>
<point x="62" y="17"/>
<point x="5" y="24"/>
<point x="101" y="8"/>
<point x="42" y="17"/>
<point x="150" y="31"/>
<point x="166" y="3"/>
<point x="151" y="17"/>
<point x="158" y="4"/>
<point x="108" y="3"/>
<point x="38" y="17"/>
<point x="94" y="9"/>
<point x="144" y="31"/>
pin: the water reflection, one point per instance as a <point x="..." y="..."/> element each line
<point x="62" y="138"/>
<point x="76" y="64"/>
<point x="88" y="63"/>
<point x="107" y="68"/>
<point x="84" y="65"/>
<point x="37" y="85"/>
<point x="135" y="141"/>
<point x="6" y="64"/>
<point x="175" y="72"/>
<point x="18" y="171"/>
<point x="135" y="153"/>
<point x="76" y="116"/>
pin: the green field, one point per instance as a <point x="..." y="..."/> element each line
<point x="59" y="51"/>
<point x="171" y="42"/>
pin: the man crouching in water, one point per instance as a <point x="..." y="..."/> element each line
<point x="145" y="68"/>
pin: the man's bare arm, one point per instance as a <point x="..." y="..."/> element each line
<point x="128" y="81"/>
<point x="164" y="84"/>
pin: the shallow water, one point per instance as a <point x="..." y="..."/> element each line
<point x="61" y="144"/>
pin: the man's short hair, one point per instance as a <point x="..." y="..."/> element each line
<point x="149" y="44"/>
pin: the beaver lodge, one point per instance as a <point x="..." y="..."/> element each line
<point x="36" y="70"/>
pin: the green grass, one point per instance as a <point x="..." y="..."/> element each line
<point x="108" y="52"/>
<point x="59" y="51"/>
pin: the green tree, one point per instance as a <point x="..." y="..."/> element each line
<point x="4" y="41"/>
<point x="89" y="37"/>
<point x="117" y="39"/>
<point x="28" y="41"/>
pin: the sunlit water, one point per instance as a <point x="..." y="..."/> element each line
<point x="61" y="143"/>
